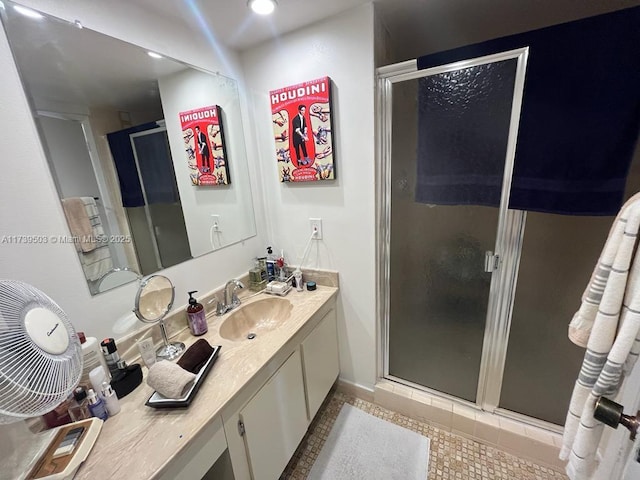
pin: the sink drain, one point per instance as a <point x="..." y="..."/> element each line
<point x="251" y="336"/>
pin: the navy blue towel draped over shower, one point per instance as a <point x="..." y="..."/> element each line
<point x="579" y="122"/>
<point x="159" y="181"/>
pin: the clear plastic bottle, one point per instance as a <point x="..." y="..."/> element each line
<point x="79" y="408"/>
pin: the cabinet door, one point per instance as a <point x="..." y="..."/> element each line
<point x="320" y="360"/>
<point x="275" y="420"/>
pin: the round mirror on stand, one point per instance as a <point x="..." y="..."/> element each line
<point x="153" y="301"/>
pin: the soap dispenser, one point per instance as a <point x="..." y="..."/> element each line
<point x="271" y="265"/>
<point x="197" y="319"/>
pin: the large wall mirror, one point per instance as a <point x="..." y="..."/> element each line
<point x="128" y="167"/>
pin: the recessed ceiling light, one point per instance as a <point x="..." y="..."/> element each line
<point x="154" y="55"/>
<point x="27" y="12"/>
<point x="262" y="7"/>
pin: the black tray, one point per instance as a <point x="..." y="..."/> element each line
<point x="158" y="401"/>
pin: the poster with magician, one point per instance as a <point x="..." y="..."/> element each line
<point x="301" y="118"/>
<point x="204" y="145"/>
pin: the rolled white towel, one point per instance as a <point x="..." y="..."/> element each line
<point x="169" y="379"/>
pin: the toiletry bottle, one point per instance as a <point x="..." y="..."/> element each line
<point x="271" y="265"/>
<point x="97" y="377"/>
<point x="147" y="351"/>
<point x="79" y="408"/>
<point x="196" y="316"/>
<point x="255" y="274"/>
<point x="110" y="352"/>
<point x="92" y="357"/>
<point x="97" y="406"/>
<point x="297" y="279"/>
<point x="263" y="267"/>
<point x="282" y="276"/>
<point x="110" y="399"/>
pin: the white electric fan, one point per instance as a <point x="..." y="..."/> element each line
<point x="40" y="362"/>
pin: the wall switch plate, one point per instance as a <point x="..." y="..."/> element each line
<point x="316" y="226"/>
<point x="215" y="223"/>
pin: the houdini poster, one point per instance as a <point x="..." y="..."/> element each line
<point x="204" y="145"/>
<point x="301" y="116"/>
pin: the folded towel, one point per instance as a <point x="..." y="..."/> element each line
<point x="196" y="356"/>
<point x="79" y="222"/>
<point x="169" y="379"/>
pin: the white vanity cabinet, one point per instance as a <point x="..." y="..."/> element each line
<point x="320" y="361"/>
<point x="264" y="430"/>
<point x="275" y="420"/>
<point x="200" y="455"/>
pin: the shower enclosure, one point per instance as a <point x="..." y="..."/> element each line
<point x="475" y="299"/>
<point x="158" y="227"/>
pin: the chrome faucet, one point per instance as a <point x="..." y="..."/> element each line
<point x="229" y="304"/>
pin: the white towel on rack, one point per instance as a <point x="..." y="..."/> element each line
<point x="609" y="318"/>
<point x="96" y="262"/>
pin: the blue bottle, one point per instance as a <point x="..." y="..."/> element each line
<point x="97" y="406"/>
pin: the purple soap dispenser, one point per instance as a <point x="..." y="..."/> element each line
<point x="197" y="319"/>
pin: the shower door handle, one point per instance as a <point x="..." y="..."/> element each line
<point x="491" y="261"/>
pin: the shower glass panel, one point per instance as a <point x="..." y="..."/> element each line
<point x="163" y="209"/>
<point x="558" y="255"/>
<point x="439" y="290"/>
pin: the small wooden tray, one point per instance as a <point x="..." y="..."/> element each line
<point x="65" y="467"/>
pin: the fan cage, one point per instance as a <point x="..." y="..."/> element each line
<point x="32" y="381"/>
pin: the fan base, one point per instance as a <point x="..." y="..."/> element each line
<point x="170" y="351"/>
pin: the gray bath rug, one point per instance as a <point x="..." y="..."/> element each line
<point x="361" y="446"/>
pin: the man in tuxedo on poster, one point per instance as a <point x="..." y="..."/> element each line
<point x="203" y="148"/>
<point x="299" y="129"/>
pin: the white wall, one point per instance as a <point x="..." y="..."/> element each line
<point x="71" y="163"/>
<point x="188" y="90"/>
<point x="342" y="48"/>
<point x="29" y="203"/>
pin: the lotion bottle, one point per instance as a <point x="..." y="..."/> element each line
<point x="92" y="357"/>
<point x="197" y="319"/>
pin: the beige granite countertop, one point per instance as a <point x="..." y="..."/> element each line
<point x="140" y="441"/>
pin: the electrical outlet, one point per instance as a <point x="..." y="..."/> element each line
<point x="316" y="226"/>
<point x="215" y="223"/>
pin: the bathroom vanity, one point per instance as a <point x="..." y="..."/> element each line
<point x="252" y="410"/>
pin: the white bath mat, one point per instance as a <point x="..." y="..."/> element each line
<point x="361" y="446"/>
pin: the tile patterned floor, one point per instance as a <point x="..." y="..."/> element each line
<point x="451" y="458"/>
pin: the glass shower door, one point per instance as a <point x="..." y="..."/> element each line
<point x="439" y="294"/>
<point x="163" y="208"/>
<point x="452" y="143"/>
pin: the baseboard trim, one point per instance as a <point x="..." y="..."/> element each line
<point x="357" y="390"/>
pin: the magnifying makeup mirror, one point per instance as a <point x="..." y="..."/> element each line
<point x="153" y="301"/>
